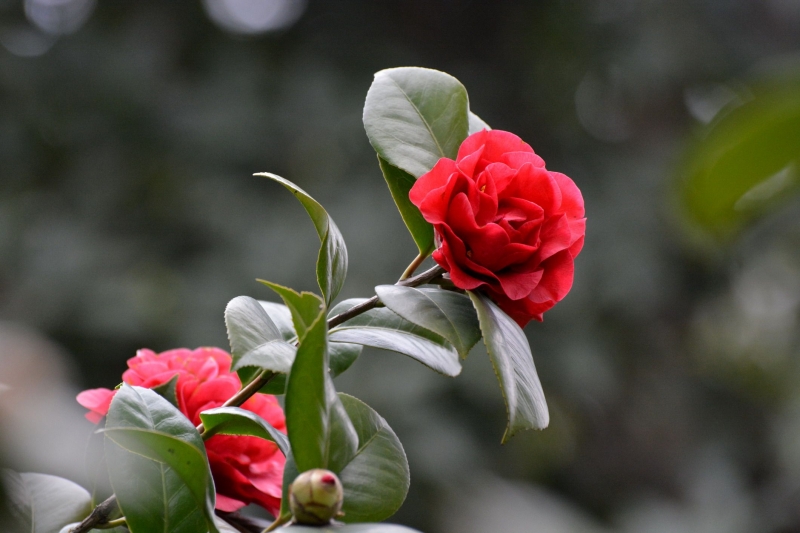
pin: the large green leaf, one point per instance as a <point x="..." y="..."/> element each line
<point x="400" y="183"/>
<point x="40" y="503"/>
<point x="352" y="528"/>
<point x="745" y="162"/>
<point x="238" y="421"/>
<point x="158" y="465"/>
<point x="320" y="432"/>
<point x="382" y="328"/>
<point x="332" y="259"/>
<point x="447" y="313"/>
<point x="512" y="360"/>
<point x="376" y="480"/>
<point x="342" y="355"/>
<point x="415" y="116"/>
<point x="255" y="339"/>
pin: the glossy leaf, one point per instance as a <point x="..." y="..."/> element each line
<point x="342" y="355"/>
<point x="172" y="489"/>
<point x="238" y="421"/>
<point x="744" y="162"/>
<point x="320" y="433"/>
<point x="40" y="503"/>
<point x="447" y="313"/>
<point x="255" y="339"/>
<point x="512" y="360"/>
<point x="168" y="391"/>
<point x="376" y="480"/>
<point x="400" y="183"/>
<point x="382" y="328"/>
<point x="476" y="123"/>
<point x="281" y="317"/>
<point x="304" y="307"/>
<point x="415" y="116"/>
<point x="332" y="258"/>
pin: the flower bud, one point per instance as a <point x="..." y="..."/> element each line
<point x="315" y="497"/>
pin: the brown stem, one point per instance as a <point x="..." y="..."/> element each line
<point x="98" y="516"/>
<point x="366" y="305"/>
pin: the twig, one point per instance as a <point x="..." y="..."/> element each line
<point x="411" y="268"/>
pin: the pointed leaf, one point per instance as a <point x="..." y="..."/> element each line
<point x="172" y="489"/>
<point x="415" y="116"/>
<point x="447" y="313"/>
<point x="238" y="421"/>
<point x="382" y="328"/>
<point x="332" y="259"/>
<point x="400" y="183"/>
<point x="342" y="355"/>
<point x="320" y="433"/>
<point x="168" y="391"/>
<point x="476" y="123"/>
<point x="376" y="480"/>
<point x="255" y="339"/>
<point x="512" y="360"/>
<point x="40" y="503"/>
<point x="304" y="307"/>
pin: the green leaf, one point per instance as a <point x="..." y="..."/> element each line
<point x="382" y="328"/>
<point x="400" y="183"/>
<point x="352" y="528"/>
<point x="320" y="433"/>
<point x="168" y="391"/>
<point x="238" y="421"/>
<point x="332" y="259"/>
<point x="158" y="465"/>
<point x="476" y="123"/>
<point x="376" y="480"/>
<point x="447" y="313"/>
<point x="342" y="355"/>
<point x="305" y="307"/>
<point x="744" y="163"/>
<point x="255" y="339"/>
<point x="415" y="116"/>
<point x="40" y="503"/>
<point x="290" y="472"/>
<point x="281" y="317"/>
<point x="512" y="360"/>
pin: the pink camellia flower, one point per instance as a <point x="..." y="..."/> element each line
<point x="245" y="469"/>
<point x="504" y="224"/>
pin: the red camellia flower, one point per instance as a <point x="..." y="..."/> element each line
<point x="245" y="469"/>
<point x="504" y="223"/>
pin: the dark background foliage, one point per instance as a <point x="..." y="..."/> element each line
<point x="129" y="131"/>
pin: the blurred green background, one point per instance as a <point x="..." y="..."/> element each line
<point x="129" y="131"/>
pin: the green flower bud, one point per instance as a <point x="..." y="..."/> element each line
<point x="315" y="497"/>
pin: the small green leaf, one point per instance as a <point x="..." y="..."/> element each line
<point x="304" y="307"/>
<point x="447" y="313"/>
<point x="40" y="503"/>
<point x="320" y="433"/>
<point x="382" y="328"/>
<point x="476" y="123"/>
<point x="342" y="355"/>
<point x="415" y="116"/>
<point x="512" y="360"/>
<point x="255" y="339"/>
<point x="400" y="183"/>
<point x="376" y="480"/>
<point x="238" y="421"/>
<point x="332" y="259"/>
<point x="168" y="391"/>
<point x="158" y="465"/>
